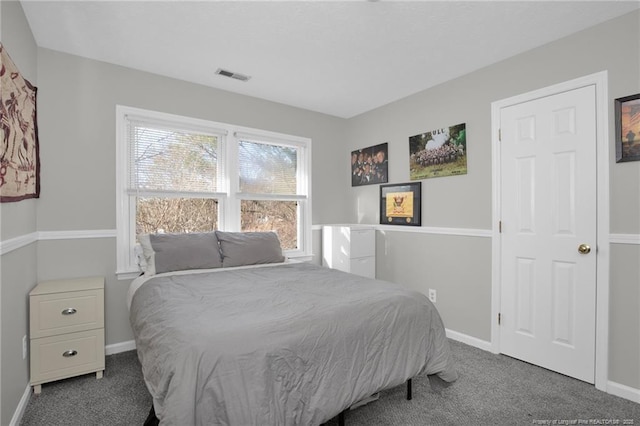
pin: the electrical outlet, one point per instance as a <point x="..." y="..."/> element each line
<point x="24" y="347"/>
<point x="432" y="295"/>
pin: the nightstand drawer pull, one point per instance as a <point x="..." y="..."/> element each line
<point x="69" y="311"/>
<point x="70" y="353"/>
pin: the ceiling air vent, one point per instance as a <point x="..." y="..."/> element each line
<point x="235" y="75"/>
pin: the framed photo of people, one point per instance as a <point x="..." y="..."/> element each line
<point x="400" y="204"/>
<point x="370" y="165"/>
<point x="627" y="111"/>
<point x="439" y="152"/>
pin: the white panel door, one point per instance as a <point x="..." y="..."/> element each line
<point x="548" y="193"/>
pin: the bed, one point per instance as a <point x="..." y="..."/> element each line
<point x="258" y="340"/>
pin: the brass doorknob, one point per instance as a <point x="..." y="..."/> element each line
<point x="584" y="248"/>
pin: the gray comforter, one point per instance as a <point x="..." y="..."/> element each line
<point x="292" y="344"/>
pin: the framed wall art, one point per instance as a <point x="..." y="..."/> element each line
<point x="400" y="204"/>
<point x="627" y="111"/>
<point x="440" y="152"/>
<point x="19" y="156"/>
<point x="370" y="165"/>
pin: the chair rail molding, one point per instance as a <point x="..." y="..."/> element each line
<point x="15" y="243"/>
<point x="11" y="244"/>
<point x="633" y="239"/>
<point x="436" y="230"/>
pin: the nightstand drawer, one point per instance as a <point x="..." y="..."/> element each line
<point x="68" y="355"/>
<point x="66" y="312"/>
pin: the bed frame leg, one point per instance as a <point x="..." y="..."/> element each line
<point x="152" y="420"/>
<point x="409" y="396"/>
<point x="341" y="418"/>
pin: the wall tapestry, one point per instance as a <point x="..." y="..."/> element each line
<point x="19" y="156"/>
<point x="370" y="165"/>
<point x="440" y="152"/>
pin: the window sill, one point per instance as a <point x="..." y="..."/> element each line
<point x="127" y="275"/>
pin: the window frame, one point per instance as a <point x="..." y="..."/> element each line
<point x="228" y="195"/>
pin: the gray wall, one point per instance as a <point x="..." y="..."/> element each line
<point x="77" y="128"/>
<point x="434" y="261"/>
<point x="18" y="267"/>
<point x="77" y="99"/>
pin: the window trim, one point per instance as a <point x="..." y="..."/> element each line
<point x="228" y="194"/>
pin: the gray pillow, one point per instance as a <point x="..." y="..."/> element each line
<point x="249" y="248"/>
<point x="177" y="252"/>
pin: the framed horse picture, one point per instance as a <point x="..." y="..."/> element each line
<point x="627" y="111"/>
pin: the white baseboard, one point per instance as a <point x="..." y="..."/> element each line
<point x="116" y="348"/>
<point x="469" y="340"/>
<point x="22" y="406"/>
<point x="623" y="391"/>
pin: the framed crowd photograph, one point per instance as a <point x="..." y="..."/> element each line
<point x="400" y="204"/>
<point x="370" y="165"/>
<point x="438" y="153"/>
<point x="628" y="128"/>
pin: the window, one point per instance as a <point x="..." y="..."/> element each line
<point x="178" y="174"/>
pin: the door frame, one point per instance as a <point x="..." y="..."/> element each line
<point x="600" y="81"/>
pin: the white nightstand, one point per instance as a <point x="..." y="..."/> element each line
<point x="66" y="322"/>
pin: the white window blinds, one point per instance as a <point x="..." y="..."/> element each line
<point x="267" y="168"/>
<point x="170" y="159"/>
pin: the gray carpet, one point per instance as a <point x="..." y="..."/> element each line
<point x="491" y="390"/>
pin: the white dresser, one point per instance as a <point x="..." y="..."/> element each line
<point x="66" y="323"/>
<point x="350" y="248"/>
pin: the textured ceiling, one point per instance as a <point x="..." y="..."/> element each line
<point x="341" y="58"/>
